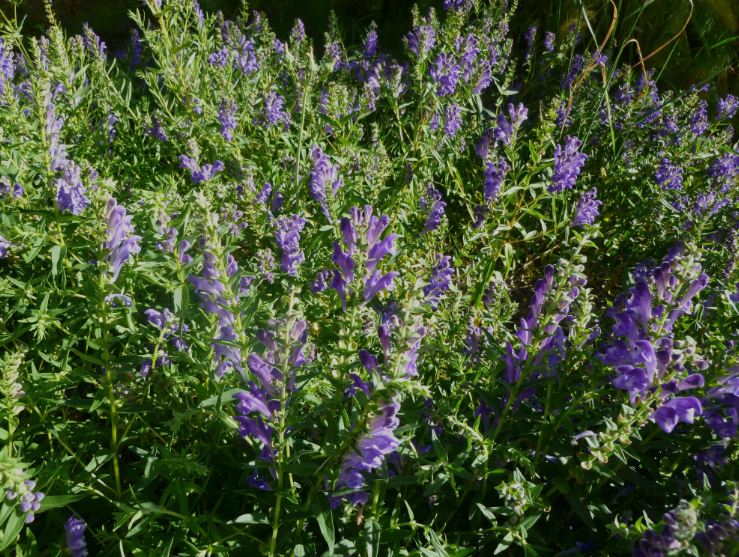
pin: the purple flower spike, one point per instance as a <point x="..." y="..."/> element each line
<point x="669" y="176"/>
<point x="587" y="209"/>
<point x="445" y="73"/>
<point x="567" y="165"/>
<point x="287" y="234"/>
<point x="494" y="176"/>
<point x="74" y="534"/>
<point x="377" y="283"/>
<point x="322" y="175"/>
<point x="120" y="245"/>
<point x="677" y="410"/>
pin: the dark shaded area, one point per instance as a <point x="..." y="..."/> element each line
<point x="707" y="50"/>
<point x="109" y="18"/>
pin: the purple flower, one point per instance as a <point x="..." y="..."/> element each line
<point x="219" y="58"/>
<point x="441" y="278"/>
<point x="127" y="301"/>
<point x="263" y="196"/>
<point x="549" y="39"/>
<point x="587" y="209"/>
<point x="246" y="61"/>
<point x="677" y="410"/>
<point x="200" y="174"/>
<point x="432" y="204"/>
<point x="74" y="534"/>
<point x="727" y="106"/>
<point x="258" y="483"/>
<point x="370" y="45"/>
<point x="481" y="214"/>
<point x="6" y="191"/>
<point x="157" y="129"/>
<point x="226" y="118"/>
<point x="506" y="131"/>
<point x="322" y="175"/>
<point x="724" y="171"/>
<point x="287" y="234"/>
<point x="273" y="113"/>
<point x="699" y="119"/>
<point x="669" y="175"/>
<point x="452" y="120"/>
<point x="70" y="193"/>
<point x="567" y="165"/>
<point x="445" y="73"/>
<point x="494" y="176"/>
<point x="486" y="143"/>
<point x="119" y="244"/>
<point x="575" y="67"/>
<point x="421" y="40"/>
<point x="297" y="34"/>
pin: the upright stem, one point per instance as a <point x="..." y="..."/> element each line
<point x="279" y="463"/>
<point x="109" y="374"/>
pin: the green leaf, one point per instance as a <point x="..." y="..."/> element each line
<point x="372" y="531"/>
<point x="439" y="481"/>
<point x="57" y="252"/>
<point x="324" y="516"/>
<point x="575" y="501"/>
<point x="54" y="501"/>
<point x="12" y="528"/>
<point x="252" y="518"/>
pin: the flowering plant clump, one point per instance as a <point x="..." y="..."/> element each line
<point x="479" y="299"/>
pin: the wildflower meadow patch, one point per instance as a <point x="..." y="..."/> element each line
<point x="480" y="299"/>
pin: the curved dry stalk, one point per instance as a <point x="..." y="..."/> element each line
<point x="690" y="16"/>
<point x="591" y="64"/>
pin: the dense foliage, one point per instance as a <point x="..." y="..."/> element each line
<point x="468" y="302"/>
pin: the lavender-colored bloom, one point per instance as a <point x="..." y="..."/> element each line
<point x="452" y="120"/>
<point x="287" y="234"/>
<point x="184" y="258"/>
<point x="724" y="171"/>
<point x="549" y="39"/>
<point x="246" y="61"/>
<point x="226" y="118"/>
<point x="481" y="214"/>
<point x="370" y="45"/>
<point x="297" y="34"/>
<point x="273" y="112"/>
<point x="699" y="119"/>
<point x="263" y="196"/>
<point x="258" y="483"/>
<point x="127" y="301"/>
<point x="421" y="40"/>
<point x="200" y="174"/>
<point x="74" y="534"/>
<point x="494" y="176"/>
<point x="575" y="68"/>
<point x="727" y="106"/>
<point x="70" y="193"/>
<point x="93" y="44"/>
<point x="431" y="203"/>
<point x="439" y="282"/>
<point x="323" y="174"/>
<point x="157" y="130"/>
<point x="530" y="36"/>
<point x="484" y="78"/>
<point x="567" y="165"/>
<point x="669" y="175"/>
<point x="445" y="73"/>
<point x="6" y="191"/>
<point x="587" y="209"/>
<point x="199" y="17"/>
<point x="506" y="130"/>
<point x="119" y="244"/>
<point x="677" y="410"/>
<point x="486" y="143"/>
<point x="219" y="58"/>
